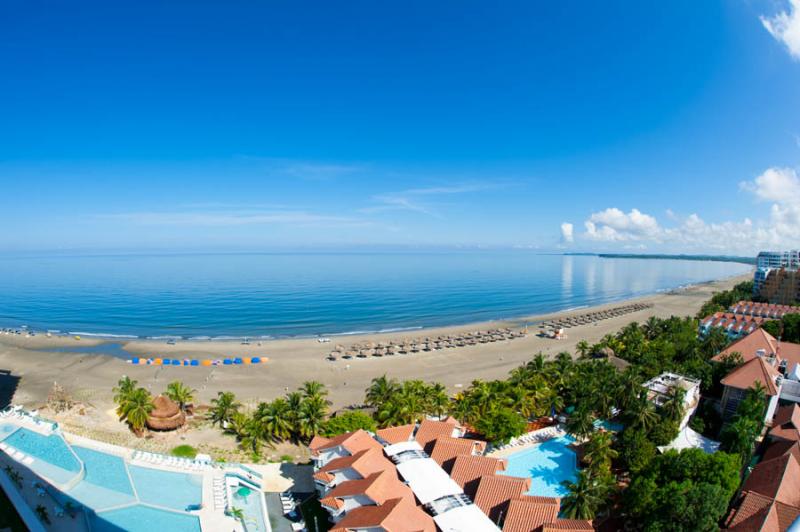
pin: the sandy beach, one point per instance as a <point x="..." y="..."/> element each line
<point x="292" y="361"/>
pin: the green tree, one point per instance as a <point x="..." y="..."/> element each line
<point x="180" y="393"/>
<point x="223" y="408"/>
<point x="123" y="389"/>
<point x="636" y="450"/>
<point x="598" y="451"/>
<point x="586" y="495"/>
<point x="673" y="408"/>
<point x="501" y="425"/>
<point x="135" y="409"/>
<point x="273" y="420"/>
<point x="582" y="348"/>
<point x="380" y="390"/>
<point x="350" y="421"/>
<point x="311" y="417"/>
<point x="580" y="423"/>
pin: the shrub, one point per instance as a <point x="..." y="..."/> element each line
<point x="184" y="451"/>
<point x="348" y="422"/>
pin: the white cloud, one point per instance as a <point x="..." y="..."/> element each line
<point x="567" y="233"/>
<point x="419" y="199"/>
<point x="613" y="225"/>
<point x="778" y="228"/>
<point x="785" y="27"/>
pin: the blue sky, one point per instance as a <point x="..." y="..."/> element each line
<point x="654" y="126"/>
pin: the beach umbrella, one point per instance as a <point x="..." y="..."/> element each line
<point x="206" y="362"/>
<point x="227" y="362"/>
<point x="157" y="361"/>
<point x="246" y="360"/>
<point x="237" y="360"/>
<point x="194" y="363"/>
<point x="255" y="360"/>
<point x="135" y="360"/>
<point x="176" y="362"/>
<point x="166" y="362"/>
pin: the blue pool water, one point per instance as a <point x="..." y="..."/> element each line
<point x="278" y="294"/>
<point x="167" y="489"/>
<point x="250" y="504"/>
<point x="5" y="430"/>
<point x="547" y="464"/>
<point x="139" y="518"/>
<point x="106" y="483"/>
<point x="49" y="451"/>
<point x="611" y="426"/>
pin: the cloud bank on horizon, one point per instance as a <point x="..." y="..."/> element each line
<point x="778" y="187"/>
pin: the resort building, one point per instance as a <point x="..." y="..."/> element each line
<point x="83" y="485"/>
<point x="767" y="261"/>
<point x="659" y="388"/>
<point x="781" y="287"/>
<point x="774" y="364"/>
<point x="786" y="424"/>
<point x="763" y="310"/>
<point x="426" y="476"/>
<point x="769" y="498"/>
<point x="734" y="325"/>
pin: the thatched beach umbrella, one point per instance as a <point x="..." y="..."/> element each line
<point x="166" y="415"/>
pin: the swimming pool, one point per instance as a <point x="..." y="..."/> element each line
<point x="5" y="430"/>
<point x="106" y="483"/>
<point x="140" y="518"/>
<point x="547" y="464"/>
<point x="250" y="502"/>
<point x="53" y="457"/>
<point x="164" y="488"/>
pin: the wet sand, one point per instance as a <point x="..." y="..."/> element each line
<point x="90" y="377"/>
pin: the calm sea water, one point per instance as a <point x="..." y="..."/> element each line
<point x="234" y="295"/>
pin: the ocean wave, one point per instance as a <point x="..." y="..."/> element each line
<point x="103" y="335"/>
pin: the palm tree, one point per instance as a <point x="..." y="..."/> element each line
<point x="599" y="452"/>
<point x="314" y="389"/>
<point x="380" y="390"/>
<point x="438" y="400"/>
<point x="652" y="327"/>
<point x="580" y="423"/>
<point x="123" y="389"/>
<point x="224" y="407"/>
<point x="294" y="401"/>
<point x="136" y="409"/>
<point x="582" y="348"/>
<point x="180" y="393"/>
<point x="673" y="408"/>
<point x="642" y="414"/>
<point x="312" y="416"/>
<point x="273" y="420"/>
<point x="584" y="498"/>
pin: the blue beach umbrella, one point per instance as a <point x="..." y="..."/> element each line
<point x="166" y="362"/>
<point x="176" y="362"/>
<point x="237" y="360"/>
<point x="195" y="362"/>
<point x="255" y="360"/>
<point x="227" y="362"/>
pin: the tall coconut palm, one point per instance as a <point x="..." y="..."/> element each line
<point x="180" y="393"/>
<point x="314" y="389"/>
<point x="673" y="408"/>
<point x="312" y="416"/>
<point x="599" y="452"/>
<point x="123" y="389"/>
<point x="584" y="498"/>
<point x="642" y="414"/>
<point x="273" y="420"/>
<point x="224" y="406"/>
<point x="438" y="401"/>
<point x="136" y="408"/>
<point x="580" y="423"/>
<point x="652" y="327"/>
<point x="380" y="390"/>
<point x="294" y="401"/>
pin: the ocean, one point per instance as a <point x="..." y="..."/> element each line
<point x="305" y="294"/>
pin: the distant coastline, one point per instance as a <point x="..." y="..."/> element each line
<point x="705" y="258"/>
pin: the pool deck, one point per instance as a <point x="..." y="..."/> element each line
<point x="555" y="431"/>
<point x="210" y="517"/>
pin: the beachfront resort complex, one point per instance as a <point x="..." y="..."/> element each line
<point x="583" y="440"/>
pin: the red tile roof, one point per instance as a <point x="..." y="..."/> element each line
<point x="351" y="441"/>
<point x="393" y="435"/>
<point x="430" y="430"/>
<point x="363" y="462"/>
<point x="779" y="448"/>
<point x="761" y="339"/>
<point x="467" y="470"/>
<point x="378" y="487"/>
<point x="569" y="524"/>
<point x="528" y="514"/>
<point x="446" y="449"/>
<point x="786" y="423"/>
<point x="496" y="491"/>
<point x="757" y="369"/>
<point x="395" y="515"/>
<point x="778" y="478"/>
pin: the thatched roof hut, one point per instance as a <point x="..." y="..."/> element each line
<point x="166" y="415"/>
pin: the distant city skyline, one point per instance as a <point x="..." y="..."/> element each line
<point x="669" y="128"/>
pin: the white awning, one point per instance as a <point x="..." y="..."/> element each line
<point x="465" y="519"/>
<point x="427" y="480"/>
<point x="689" y="439"/>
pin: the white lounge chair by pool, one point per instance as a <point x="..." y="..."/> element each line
<point x="27" y="461"/>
